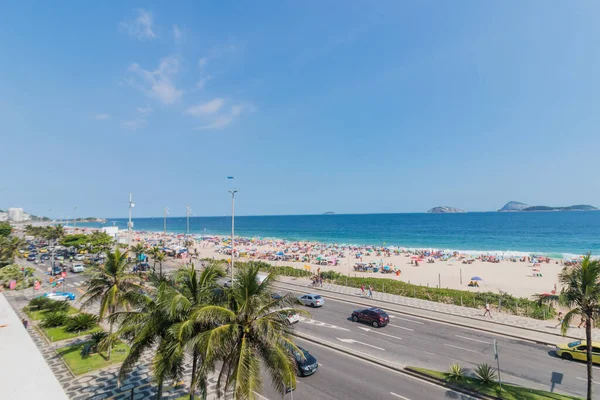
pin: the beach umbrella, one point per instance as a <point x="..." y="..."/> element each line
<point x="280" y="253"/>
<point x="476" y="278"/>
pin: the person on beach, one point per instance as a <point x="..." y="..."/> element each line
<point x="362" y="290"/>
<point x="487" y="310"/>
<point x="560" y="319"/>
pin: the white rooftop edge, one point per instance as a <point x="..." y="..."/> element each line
<point x="24" y="373"/>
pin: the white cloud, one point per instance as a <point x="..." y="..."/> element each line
<point x="177" y="33"/>
<point x="141" y="27"/>
<point x="202" y="82"/>
<point x="102" y="116"/>
<point x="158" y="84"/>
<point x="207" y="108"/>
<point x="202" y="62"/>
<point x="140" y="121"/>
<point x="224" y="119"/>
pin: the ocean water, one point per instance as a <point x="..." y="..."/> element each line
<point x="550" y="233"/>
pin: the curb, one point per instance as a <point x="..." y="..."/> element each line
<point x="444" y="383"/>
<point x="402" y="369"/>
<point x="438" y="319"/>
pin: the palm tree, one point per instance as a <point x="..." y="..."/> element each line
<point x="246" y="331"/>
<point x="147" y="327"/>
<point x="581" y="294"/>
<point x="9" y="249"/>
<point x="110" y="284"/>
<point x="157" y="256"/>
<point x="138" y="250"/>
<point x="194" y="291"/>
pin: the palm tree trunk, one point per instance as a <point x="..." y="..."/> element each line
<point x="588" y="338"/>
<point x="159" y="389"/>
<point x="194" y="375"/>
<point x="110" y="331"/>
<point x="160" y="269"/>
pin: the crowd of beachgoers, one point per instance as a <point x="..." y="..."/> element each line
<point x="515" y="273"/>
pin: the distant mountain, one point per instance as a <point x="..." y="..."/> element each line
<point x="329" y="213"/>
<point x="445" y="210"/>
<point x="514" y="206"/>
<point x="578" y="207"/>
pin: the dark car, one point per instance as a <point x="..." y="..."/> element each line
<point x="307" y="364"/>
<point x="56" y="270"/>
<point x="45" y="256"/>
<point x="373" y="316"/>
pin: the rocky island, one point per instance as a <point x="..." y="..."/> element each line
<point x="445" y="210"/>
<point x="513" y="206"/>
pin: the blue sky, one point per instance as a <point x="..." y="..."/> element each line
<point x="352" y="107"/>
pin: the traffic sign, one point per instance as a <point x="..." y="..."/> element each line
<point x="63" y="274"/>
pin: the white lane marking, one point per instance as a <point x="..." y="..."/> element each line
<point x="401" y="327"/>
<point x="406" y="319"/>
<point x="356" y="341"/>
<point x="475" y="340"/>
<point x="380" y="333"/>
<point x="462" y="348"/>
<point x="398" y="396"/>
<point x="584" y="379"/>
<point x="323" y="324"/>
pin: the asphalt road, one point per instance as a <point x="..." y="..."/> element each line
<point x="411" y="341"/>
<point x="424" y="343"/>
<point x="347" y="378"/>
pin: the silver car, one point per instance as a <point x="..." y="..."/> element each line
<point x="313" y="300"/>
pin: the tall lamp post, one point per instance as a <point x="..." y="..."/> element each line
<point x="165" y="223"/>
<point x="129" y="224"/>
<point x="233" y="192"/>
<point x="188" y="211"/>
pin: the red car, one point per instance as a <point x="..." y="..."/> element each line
<point x="373" y="316"/>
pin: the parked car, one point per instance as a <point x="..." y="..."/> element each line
<point x="31" y="257"/>
<point x="577" y="351"/>
<point x="59" y="296"/>
<point x="56" y="270"/>
<point x="77" y="268"/>
<point x="79" y="257"/>
<point x="373" y="316"/>
<point x="45" y="256"/>
<point x="313" y="300"/>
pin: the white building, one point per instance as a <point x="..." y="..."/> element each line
<point x="16" y="214"/>
<point x="113" y="231"/>
<point x="3" y="216"/>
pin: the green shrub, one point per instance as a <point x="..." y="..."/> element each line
<point x="510" y="304"/>
<point x="13" y="273"/>
<point x="456" y="373"/>
<point x="39" y="303"/>
<point x="81" y="322"/>
<point x="53" y="319"/>
<point x="57" y="306"/>
<point x="331" y="275"/>
<point x="485" y="373"/>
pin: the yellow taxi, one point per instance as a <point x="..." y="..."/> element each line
<point x="577" y="351"/>
<point x="43" y="250"/>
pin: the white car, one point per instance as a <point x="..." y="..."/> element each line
<point x="291" y="318"/>
<point x="313" y="300"/>
<point x="79" y="257"/>
<point x="77" y="268"/>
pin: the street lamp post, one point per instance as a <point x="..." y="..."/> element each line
<point x="188" y="211"/>
<point x="129" y="224"/>
<point x="165" y="222"/>
<point x="233" y="192"/>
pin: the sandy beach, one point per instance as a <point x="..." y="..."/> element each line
<point x="522" y="277"/>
